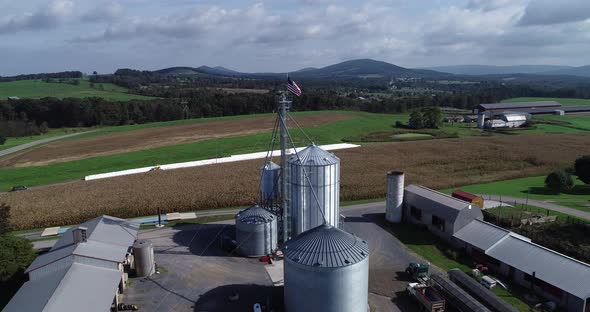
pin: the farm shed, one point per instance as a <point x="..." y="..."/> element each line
<point x="97" y="251"/>
<point x="553" y="276"/>
<point x="515" y="106"/>
<point x="468" y="197"/>
<point x="507" y="120"/>
<point x="444" y="215"/>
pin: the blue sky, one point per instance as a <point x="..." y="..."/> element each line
<point x="284" y="35"/>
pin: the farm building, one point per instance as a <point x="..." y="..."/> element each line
<point x="517" y="106"/>
<point x="13" y="98"/>
<point x="444" y="215"/>
<point x="470" y="198"/>
<point x="85" y="268"/>
<point x="507" y="120"/>
<point x="551" y="275"/>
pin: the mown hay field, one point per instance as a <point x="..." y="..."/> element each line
<point x="436" y="164"/>
<point x="147" y="138"/>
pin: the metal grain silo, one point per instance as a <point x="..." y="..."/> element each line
<point x="256" y="232"/>
<point x="323" y="178"/>
<point x="269" y="188"/>
<point x="326" y="269"/>
<point x="143" y="255"/>
<point x="395" y="196"/>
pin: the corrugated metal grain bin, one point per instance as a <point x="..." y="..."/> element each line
<point x="315" y="173"/>
<point x="326" y="269"/>
<point x="256" y="232"/>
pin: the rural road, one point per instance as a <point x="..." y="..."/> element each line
<point x="21" y="147"/>
<point x="542" y="204"/>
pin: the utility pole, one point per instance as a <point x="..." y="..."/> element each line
<point x="284" y="105"/>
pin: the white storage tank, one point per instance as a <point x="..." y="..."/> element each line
<point x="270" y="189"/>
<point x="256" y="232"/>
<point x="395" y="196"/>
<point x="143" y="255"/>
<point x="323" y="180"/>
<point x="326" y="269"/>
<point x="481" y="120"/>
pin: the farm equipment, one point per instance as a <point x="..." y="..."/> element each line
<point x="418" y="271"/>
<point x="428" y="297"/>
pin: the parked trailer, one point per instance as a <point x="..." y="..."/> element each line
<point x="475" y="289"/>
<point x="455" y="296"/>
<point x="430" y="299"/>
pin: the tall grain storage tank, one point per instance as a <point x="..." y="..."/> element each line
<point x="256" y="232"/>
<point x="270" y="189"/>
<point x="323" y="179"/>
<point x="481" y="118"/>
<point x="143" y="255"/>
<point x="326" y="269"/>
<point x="395" y="196"/>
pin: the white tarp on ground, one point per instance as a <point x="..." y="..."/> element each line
<point x="205" y="162"/>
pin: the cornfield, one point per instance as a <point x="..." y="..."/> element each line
<point x="435" y="163"/>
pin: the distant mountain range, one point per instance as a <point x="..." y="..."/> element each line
<point x="354" y="69"/>
<point x="372" y="69"/>
<point x="478" y="70"/>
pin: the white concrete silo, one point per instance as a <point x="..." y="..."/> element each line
<point x="395" y="196"/>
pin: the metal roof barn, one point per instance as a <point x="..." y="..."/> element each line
<point x="256" y="232"/>
<point x="451" y="214"/>
<point x="326" y="269"/>
<point x="313" y="189"/>
<point x="518" y="105"/>
<point x="573" y="276"/>
<point x="76" y="287"/>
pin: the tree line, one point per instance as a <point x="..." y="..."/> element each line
<point x="65" y="74"/>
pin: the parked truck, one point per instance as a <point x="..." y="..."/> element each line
<point x="418" y="271"/>
<point x="428" y="297"/>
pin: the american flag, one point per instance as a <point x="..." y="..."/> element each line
<point x="293" y="87"/>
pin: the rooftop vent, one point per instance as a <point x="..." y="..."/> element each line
<point x="80" y="234"/>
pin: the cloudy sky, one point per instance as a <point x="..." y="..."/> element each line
<point x="282" y="35"/>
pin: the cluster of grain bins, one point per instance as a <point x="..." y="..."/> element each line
<point x="325" y="268"/>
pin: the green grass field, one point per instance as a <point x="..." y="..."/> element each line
<point x="534" y="188"/>
<point x="59" y="172"/>
<point x="38" y="89"/>
<point x="563" y="101"/>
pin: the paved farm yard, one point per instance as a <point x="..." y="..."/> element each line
<point x="199" y="276"/>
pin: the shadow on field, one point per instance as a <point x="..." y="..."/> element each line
<point x="577" y="190"/>
<point x="541" y="190"/>
<point x="201" y="239"/>
<point x="218" y="299"/>
<point x="366" y="218"/>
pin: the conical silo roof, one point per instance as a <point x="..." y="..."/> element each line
<point x="270" y="166"/>
<point x="255" y="214"/>
<point x="314" y="156"/>
<point x="326" y="246"/>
